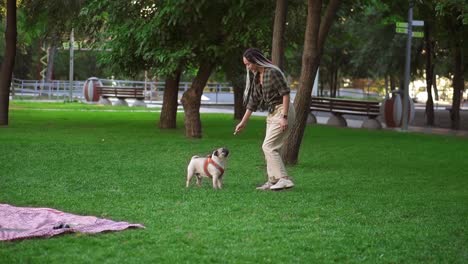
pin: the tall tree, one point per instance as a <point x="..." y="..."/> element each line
<point x="191" y="100"/>
<point x="142" y="36"/>
<point x="454" y="18"/>
<point x="8" y="62"/>
<point x="277" y="51"/>
<point x="432" y="37"/>
<point x="335" y="59"/>
<point x="166" y="35"/>
<point x="317" y="29"/>
<point x="429" y="53"/>
<point x="56" y="19"/>
<point x="376" y="50"/>
<point x="458" y="79"/>
<point x="218" y="42"/>
<point x="168" y="116"/>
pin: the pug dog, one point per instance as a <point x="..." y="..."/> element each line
<point x="211" y="166"/>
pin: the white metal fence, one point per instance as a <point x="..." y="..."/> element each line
<point x="215" y="93"/>
<point x="154" y="91"/>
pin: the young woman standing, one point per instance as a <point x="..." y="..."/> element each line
<point x="268" y="90"/>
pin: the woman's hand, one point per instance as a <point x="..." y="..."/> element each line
<point x="243" y="122"/>
<point x="284" y="124"/>
<point x="239" y="127"/>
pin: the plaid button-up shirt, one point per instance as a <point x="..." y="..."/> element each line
<point x="271" y="93"/>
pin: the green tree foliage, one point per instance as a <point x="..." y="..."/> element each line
<point x="378" y="51"/>
<point x="163" y="36"/>
<point x="319" y="20"/>
<point x="43" y="25"/>
<point x="58" y="16"/>
<point x="453" y="15"/>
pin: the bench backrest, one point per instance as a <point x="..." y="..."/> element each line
<point x="121" y="92"/>
<point x="344" y="106"/>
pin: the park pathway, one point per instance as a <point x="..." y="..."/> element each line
<point x="442" y="120"/>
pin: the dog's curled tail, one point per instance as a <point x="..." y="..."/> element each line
<point x="195" y="157"/>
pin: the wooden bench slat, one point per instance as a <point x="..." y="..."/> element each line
<point x="121" y="92"/>
<point x="345" y="106"/>
<point x="342" y="111"/>
<point x="365" y="111"/>
<point x="344" y="103"/>
<point x="342" y="100"/>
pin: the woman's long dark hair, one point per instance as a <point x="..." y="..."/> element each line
<point x="255" y="56"/>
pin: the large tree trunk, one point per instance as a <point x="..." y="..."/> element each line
<point x="458" y="85"/>
<point x="456" y="29"/>
<point x="392" y="83"/>
<point x="333" y="80"/>
<point x="239" y="108"/>
<point x="168" y="118"/>
<point x="191" y="100"/>
<point x="336" y="82"/>
<point x="434" y="84"/>
<point x="386" y="84"/>
<point x="277" y="53"/>
<point x="315" y="35"/>
<point x="322" y="87"/>
<point x="50" y="63"/>
<point x="8" y="63"/>
<point x="429" y="75"/>
<point x="238" y="83"/>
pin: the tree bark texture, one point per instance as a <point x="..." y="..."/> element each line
<point x="333" y="79"/>
<point x="392" y="83"/>
<point x="429" y="74"/>
<point x="386" y="84"/>
<point x="322" y="87"/>
<point x="315" y="34"/>
<point x="277" y="53"/>
<point x="458" y="80"/>
<point x="50" y="63"/>
<point x="434" y="84"/>
<point x="239" y="108"/>
<point x="8" y="63"/>
<point x="168" y="118"/>
<point x="191" y="100"/>
<point x="458" y="85"/>
<point x="236" y="76"/>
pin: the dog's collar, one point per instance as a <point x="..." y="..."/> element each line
<point x="208" y="161"/>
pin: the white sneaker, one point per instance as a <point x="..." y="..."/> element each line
<point x="266" y="186"/>
<point x="283" y="183"/>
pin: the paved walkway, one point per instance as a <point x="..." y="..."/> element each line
<point x="442" y="120"/>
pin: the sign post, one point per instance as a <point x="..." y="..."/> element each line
<point x="72" y="39"/>
<point x="407" y="28"/>
<point x="404" y="121"/>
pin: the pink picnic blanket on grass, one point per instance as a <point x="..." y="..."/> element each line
<point x="27" y="222"/>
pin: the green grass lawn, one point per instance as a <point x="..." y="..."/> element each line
<point x="360" y="196"/>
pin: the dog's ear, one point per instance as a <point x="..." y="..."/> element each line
<point x="216" y="153"/>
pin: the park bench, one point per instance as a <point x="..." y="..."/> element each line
<point x="339" y="107"/>
<point x="121" y="93"/>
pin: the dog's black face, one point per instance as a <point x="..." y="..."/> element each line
<point x="223" y="152"/>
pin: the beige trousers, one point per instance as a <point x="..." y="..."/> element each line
<point x="273" y="142"/>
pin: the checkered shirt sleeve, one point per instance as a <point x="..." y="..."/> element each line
<point x="271" y="93"/>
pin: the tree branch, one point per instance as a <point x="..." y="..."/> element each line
<point x="327" y="21"/>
